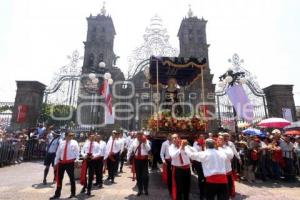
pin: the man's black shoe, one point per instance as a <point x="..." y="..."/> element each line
<point x="139" y="194"/>
<point x="45" y="182"/>
<point x="146" y="193"/>
<point x="100" y="186"/>
<point x="71" y="196"/>
<point x="96" y="184"/>
<point x="54" y="197"/>
<point x="88" y="193"/>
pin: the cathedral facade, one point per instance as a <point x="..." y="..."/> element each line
<point x="99" y="46"/>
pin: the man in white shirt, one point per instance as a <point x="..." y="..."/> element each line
<point x="199" y="145"/>
<point x="99" y="161"/>
<point x="229" y="153"/>
<point x="53" y="143"/>
<point x="166" y="159"/>
<point x="112" y="154"/>
<point x="66" y="156"/>
<point x="123" y="152"/>
<point x="140" y="149"/>
<point x="214" y="169"/>
<point x="287" y="153"/>
<point x="89" y="152"/>
<point x="181" y="169"/>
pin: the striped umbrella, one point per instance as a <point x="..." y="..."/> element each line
<point x="274" y="123"/>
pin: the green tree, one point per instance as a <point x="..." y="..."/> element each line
<point x="58" y="115"/>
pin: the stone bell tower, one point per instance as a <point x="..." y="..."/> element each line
<point x="98" y="47"/>
<point x="193" y="43"/>
<point x="99" y="42"/>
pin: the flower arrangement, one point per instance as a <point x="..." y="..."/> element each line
<point x="167" y="123"/>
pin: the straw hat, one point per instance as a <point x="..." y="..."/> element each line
<point x="276" y="131"/>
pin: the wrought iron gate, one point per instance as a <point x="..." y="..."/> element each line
<point x="225" y="111"/>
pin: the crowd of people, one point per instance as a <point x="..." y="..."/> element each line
<point x="216" y="159"/>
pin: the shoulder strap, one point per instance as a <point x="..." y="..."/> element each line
<point x="50" y="144"/>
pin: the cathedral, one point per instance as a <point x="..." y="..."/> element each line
<point x="98" y="48"/>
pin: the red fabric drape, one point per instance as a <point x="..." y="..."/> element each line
<point x="164" y="174"/>
<point x="83" y="172"/>
<point x="174" y="191"/>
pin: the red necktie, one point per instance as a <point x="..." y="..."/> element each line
<point x="139" y="150"/>
<point x="112" y="145"/>
<point x="180" y="157"/>
<point x="65" y="151"/>
<point x="91" y="146"/>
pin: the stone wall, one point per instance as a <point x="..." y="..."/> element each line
<point x="29" y="94"/>
<point x="279" y="97"/>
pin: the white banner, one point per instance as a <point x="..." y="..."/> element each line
<point x="287" y="114"/>
<point x="109" y="118"/>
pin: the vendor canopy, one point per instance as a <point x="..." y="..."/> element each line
<point x="184" y="70"/>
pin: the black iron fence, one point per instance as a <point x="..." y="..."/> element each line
<point x="16" y="151"/>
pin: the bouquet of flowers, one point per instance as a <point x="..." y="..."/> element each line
<point x="165" y="122"/>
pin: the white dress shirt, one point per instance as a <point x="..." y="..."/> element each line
<point x="122" y="144"/>
<point x="72" y="151"/>
<point x="95" y="151"/>
<point x="175" y="156"/>
<point x="145" y="148"/>
<point x="53" y="145"/>
<point x="232" y="146"/>
<point x="164" y="151"/>
<point x="229" y="155"/>
<point x="213" y="161"/>
<point x="102" y="146"/>
<point x="115" y="149"/>
<point x="287" y="149"/>
<point x="197" y="146"/>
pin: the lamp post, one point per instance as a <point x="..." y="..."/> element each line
<point x="92" y="85"/>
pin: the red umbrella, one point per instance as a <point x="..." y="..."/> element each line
<point x="274" y="123"/>
<point x="293" y="132"/>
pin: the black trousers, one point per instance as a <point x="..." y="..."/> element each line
<point x="99" y="171"/>
<point x="216" y="190"/>
<point x="122" y="159"/>
<point x="169" y="172"/>
<point x="183" y="181"/>
<point x="91" y="168"/>
<point x="230" y="184"/>
<point x="117" y="163"/>
<point x="142" y="174"/>
<point x="69" y="168"/>
<point x="111" y="166"/>
<point x="201" y="178"/>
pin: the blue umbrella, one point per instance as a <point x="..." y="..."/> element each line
<point x="254" y="131"/>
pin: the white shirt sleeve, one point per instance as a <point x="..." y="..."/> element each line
<point x="58" y="153"/>
<point x="232" y="146"/>
<point x="198" y="156"/>
<point x="147" y="145"/>
<point x="162" y="152"/>
<point x="76" y="150"/>
<point x="83" y="150"/>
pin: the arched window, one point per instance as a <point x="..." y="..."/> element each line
<point x="91" y="60"/>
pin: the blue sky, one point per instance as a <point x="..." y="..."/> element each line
<point x="37" y="35"/>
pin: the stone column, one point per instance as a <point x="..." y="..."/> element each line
<point x="279" y="97"/>
<point x="30" y="97"/>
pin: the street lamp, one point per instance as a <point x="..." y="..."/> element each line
<point x="92" y="85"/>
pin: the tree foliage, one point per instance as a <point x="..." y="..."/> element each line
<point x="58" y="115"/>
